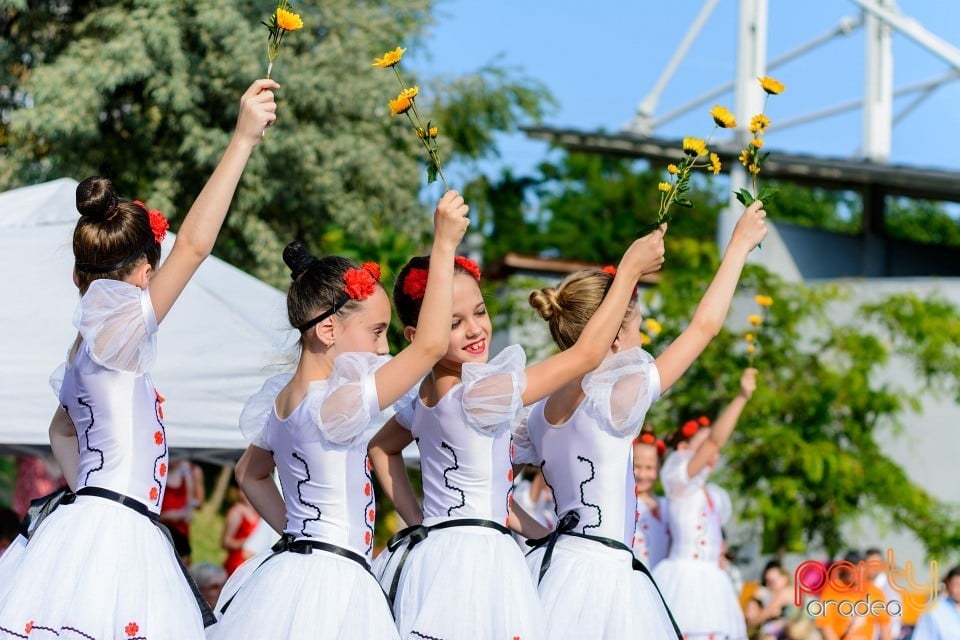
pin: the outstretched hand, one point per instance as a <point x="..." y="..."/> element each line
<point x="748" y="383"/>
<point x="646" y="254"/>
<point x="751" y="228"/>
<point x="258" y="110"/>
<point x="450" y="220"/>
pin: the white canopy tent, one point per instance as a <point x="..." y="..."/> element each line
<point x="226" y="334"/>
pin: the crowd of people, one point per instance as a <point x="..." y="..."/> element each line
<point x="98" y="559"/>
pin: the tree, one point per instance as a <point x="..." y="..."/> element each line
<point x="146" y="92"/>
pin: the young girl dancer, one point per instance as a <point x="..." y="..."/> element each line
<point x="580" y="437"/>
<point x="699" y="592"/>
<point x="466" y="579"/>
<point x="99" y="566"/>
<point x="651" y="535"/>
<point x="313" y="426"/>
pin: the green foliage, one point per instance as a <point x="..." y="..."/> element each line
<point x="921" y="221"/>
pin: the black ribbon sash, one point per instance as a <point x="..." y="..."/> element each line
<point x="412" y="536"/>
<point x="41" y="508"/>
<point x="565" y="527"/>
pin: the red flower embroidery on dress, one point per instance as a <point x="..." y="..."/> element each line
<point x="163" y="469"/>
<point x="372" y="515"/>
<point x="415" y="283"/>
<point x="154" y="494"/>
<point x="469" y="266"/>
<point x="510" y="475"/>
<point x="367" y="489"/>
<point x="360" y="284"/>
<point x="28" y="628"/>
<point x="131" y="629"/>
<point x="158" y="437"/>
<point x="368" y="464"/>
<point x="160" y="400"/>
<point x="366" y="537"/>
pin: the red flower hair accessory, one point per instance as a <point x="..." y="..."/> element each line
<point x="158" y="222"/>
<point x="609" y="270"/>
<point x="689" y="428"/>
<point x="661" y="447"/>
<point x="704" y="421"/>
<point x="647" y="438"/>
<point x="360" y="283"/>
<point x="415" y="284"/>
<point x="373" y="268"/>
<point x="469" y="266"/>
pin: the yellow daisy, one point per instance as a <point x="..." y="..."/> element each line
<point x="672" y="169"/>
<point x="745" y="157"/>
<point x="653" y="326"/>
<point x="759" y="123"/>
<point x="645" y="339"/>
<point x="754" y="319"/>
<point x="288" y="21"/>
<point x="715" y="163"/>
<point x="401" y="105"/>
<point x="763" y="301"/>
<point x="389" y="59"/>
<point x="410" y="93"/>
<point x="694" y="147"/>
<point x="723" y="117"/>
<point x="771" y="85"/>
<point x="757" y="143"/>
<point x="664" y="186"/>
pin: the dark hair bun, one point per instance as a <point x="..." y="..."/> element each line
<point x="95" y="198"/>
<point x="298" y="258"/>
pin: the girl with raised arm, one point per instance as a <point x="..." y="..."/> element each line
<point x="313" y="427"/>
<point x="699" y="592"/>
<point x="581" y="438"/>
<point x="455" y="574"/>
<point x="100" y="565"/>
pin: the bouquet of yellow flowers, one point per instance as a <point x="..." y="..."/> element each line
<point x="406" y="103"/>
<point x="675" y="191"/>
<point x="281" y="22"/>
<point x="751" y="157"/>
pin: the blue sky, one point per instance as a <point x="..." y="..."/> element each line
<point x="600" y="59"/>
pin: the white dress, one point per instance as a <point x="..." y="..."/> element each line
<point x="651" y="536"/>
<point x="320" y="451"/>
<point x="96" y="568"/>
<point x="465" y="582"/>
<point x="700" y="593"/>
<point x="590" y="588"/>
<point x="942" y="622"/>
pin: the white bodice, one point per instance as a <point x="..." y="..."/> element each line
<point x="464" y="440"/>
<point x="588" y="460"/>
<point x="651" y="535"/>
<point x="697" y="510"/>
<point x="320" y="450"/>
<point x="110" y="397"/>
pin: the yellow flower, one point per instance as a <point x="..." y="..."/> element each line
<point x="757" y="143"/>
<point x="715" y="163"/>
<point x="288" y="21"/>
<point x="664" y="186"/>
<point x="694" y="147"/>
<point x="763" y="301"/>
<point x="751" y="348"/>
<point x="723" y="117"/>
<point x="645" y="339"/>
<point x="389" y="59"/>
<point x="759" y="123"/>
<point x="653" y="326"/>
<point x="410" y="93"/>
<point x="433" y="132"/>
<point x="771" y="85"/>
<point x="754" y="319"/>
<point x="672" y="169"/>
<point x="754" y="170"/>
<point x="401" y="105"/>
<point x="749" y="337"/>
<point x="745" y="157"/>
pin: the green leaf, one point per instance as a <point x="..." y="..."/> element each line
<point x="431" y="172"/>
<point x="683" y="202"/>
<point x="767" y="193"/>
<point x="745" y="197"/>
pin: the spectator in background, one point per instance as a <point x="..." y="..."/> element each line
<point x="834" y="625"/>
<point x="876" y="572"/>
<point x="183" y="496"/>
<point x="9" y="528"/>
<point x="771" y="606"/>
<point x="36" y="477"/>
<point x="241" y="521"/>
<point x="942" y="622"/>
<point x="210" y="579"/>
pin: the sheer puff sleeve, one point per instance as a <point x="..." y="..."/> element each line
<point x="522" y="449"/>
<point x="257" y="409"/>
<point x="673" y="476"/>
<point x="343" y="405"/>
<point x="492" y="392"/>
<point x="622" y="389"/>
<point x="117" y="323"/>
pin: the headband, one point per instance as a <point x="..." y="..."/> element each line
<point x="359" y="284"/>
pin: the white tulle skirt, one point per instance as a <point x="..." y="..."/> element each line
<point x="464" y="583"/>
<point x="294" y="596"/>
<point x="592" y="591"/>
<point x="95" y="569"/>
<point x="702" y="599"/>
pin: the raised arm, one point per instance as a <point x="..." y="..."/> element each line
<point x="721" y="430"/>
<point x="712" y="310"/>
<point x="433" y="326"/>
<point x="63" y="442"/>
<point x="200" y="227"/>
<point x="386" y="456"/>
<point x="644" y="256"/>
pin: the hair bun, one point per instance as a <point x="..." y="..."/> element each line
<point x="545" y="302"/>
<point x="96" y="199"/>
<point x="298" y="258"/>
